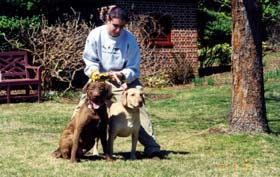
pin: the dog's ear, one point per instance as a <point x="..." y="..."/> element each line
<point x="124" y="98"/>
<point x="143" y="97"/>
<point x="139" y="87"/>
<point x="109" y="91"/>
<point x="84" y="90"/>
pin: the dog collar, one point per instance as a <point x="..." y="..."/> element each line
<point x="124" y="88"/>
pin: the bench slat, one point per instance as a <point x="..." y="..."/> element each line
<point x="18" y="82"/>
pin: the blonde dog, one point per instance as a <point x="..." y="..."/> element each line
<point x="124" y="119"/>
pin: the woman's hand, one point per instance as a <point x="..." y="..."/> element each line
<point x="116" y="76"/>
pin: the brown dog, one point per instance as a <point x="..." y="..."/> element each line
<point x="89" y="123"/>
<point x="124" y="119"/>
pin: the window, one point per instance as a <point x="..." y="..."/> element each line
<point x="160" y="36"/>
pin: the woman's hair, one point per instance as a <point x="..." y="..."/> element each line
<point x="117" y="12"/>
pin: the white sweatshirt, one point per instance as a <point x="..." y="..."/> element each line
<point x="106" y="53"/>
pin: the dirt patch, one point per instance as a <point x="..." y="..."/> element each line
<point x="69" y="100"/>
<point x="272" y="64"/>
<point x="157" y="97"/>
<point x="218" y="130"/>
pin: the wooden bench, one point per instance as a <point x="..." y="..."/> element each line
<point x="18" y="78"/>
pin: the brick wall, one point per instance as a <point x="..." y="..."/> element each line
<point x="184" y="26"/>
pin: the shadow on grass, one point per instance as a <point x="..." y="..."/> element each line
<point x="139" y="155"/>
<point x="166" y="153"/>
<point x="274" y="126"/>
<point x="273" y="98"/>
<point x="92" y="157"/>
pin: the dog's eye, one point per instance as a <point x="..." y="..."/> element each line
<point x="132" y="94"/>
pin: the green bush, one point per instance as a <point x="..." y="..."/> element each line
<point x="10" y="28"/>
<point x="220" y="54"/>
<point x="214" y="28"/>
<point x="198" y="81"/>
<point x="157" y="81"/>
<point x="210" y="82"/>
<point x="271" y="23"/>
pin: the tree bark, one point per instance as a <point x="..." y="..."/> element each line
<point x="248" y="111"/>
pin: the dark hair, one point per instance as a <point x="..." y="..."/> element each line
<point x="118" y="12"/>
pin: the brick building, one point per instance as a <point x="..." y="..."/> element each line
<point x="178" y="17"/>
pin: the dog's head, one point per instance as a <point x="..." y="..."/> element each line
<point x="98" y="92"/>
<point x="133" y="98"/>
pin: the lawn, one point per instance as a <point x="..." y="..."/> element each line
<point x="189" y="123"/>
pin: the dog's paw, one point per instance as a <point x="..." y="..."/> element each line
<point x="108" y="158"/>
<point x="73" y="160"/>
<point x="56" y="153"/>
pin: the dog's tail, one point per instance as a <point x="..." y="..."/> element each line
<point x="57" y="153"/>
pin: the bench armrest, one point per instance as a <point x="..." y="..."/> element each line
<point x="37" y="70"/>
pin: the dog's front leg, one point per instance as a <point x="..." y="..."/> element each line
<point x="95" y="147"/>
<point x="105" y="146"/>
<point x="103" y="137"/>
<point x="76" y="138"/>
<point x="135" y="136"/>
<point x="111" y="144"/>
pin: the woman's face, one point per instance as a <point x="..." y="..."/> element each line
<point x="115" y="26"/>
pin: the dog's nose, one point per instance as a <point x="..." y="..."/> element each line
<point x="95" y="94"/>
<point x="140" y="103"/>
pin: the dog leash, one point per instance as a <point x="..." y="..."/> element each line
<point x="96" y="76"/>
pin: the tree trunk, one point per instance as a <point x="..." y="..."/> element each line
<point x="248" y="112"/>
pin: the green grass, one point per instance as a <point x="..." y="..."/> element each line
<point x="182" y="123"/>
<point x="272" y="74"/>
<point x="187" y="122"/>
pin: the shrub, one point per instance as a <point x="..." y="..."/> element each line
<point x="197" y="81"/>
<point x="180" y="71"/>
<point x="58" y="47"/>
<point x="214" y="28"/>
<point x="210" y="82"/>
<point x="271" y="23"/>
<point x="10" y="28"/>
<point x="218" y="55"/>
